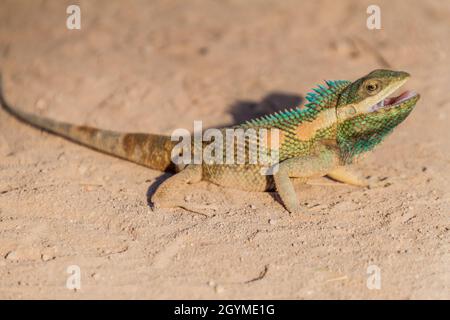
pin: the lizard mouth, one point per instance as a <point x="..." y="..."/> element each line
<point x="392" y="102"/>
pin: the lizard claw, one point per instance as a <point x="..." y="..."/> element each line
<point x="293" y="207"/>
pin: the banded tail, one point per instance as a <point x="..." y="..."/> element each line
<point x="150" y="150"/>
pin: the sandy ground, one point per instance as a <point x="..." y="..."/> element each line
<point x="154" y="66"/>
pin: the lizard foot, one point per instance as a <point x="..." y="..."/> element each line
<point x="166" y="195"/>
<point x="346" y="175"/>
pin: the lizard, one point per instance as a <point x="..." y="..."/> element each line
<point x="341" y="121"/>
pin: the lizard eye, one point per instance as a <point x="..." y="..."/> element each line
<point x="372" y="87"/>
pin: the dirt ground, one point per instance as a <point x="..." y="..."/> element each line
<point x="154" y="66"/>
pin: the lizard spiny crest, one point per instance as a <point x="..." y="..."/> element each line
<point x="320" y="98"/>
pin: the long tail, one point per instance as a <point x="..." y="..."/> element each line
<point x="150" y="150"/>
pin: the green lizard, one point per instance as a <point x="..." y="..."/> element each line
<point x="342" y="121"/>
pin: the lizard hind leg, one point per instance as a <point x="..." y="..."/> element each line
<point x="167" y="195"/>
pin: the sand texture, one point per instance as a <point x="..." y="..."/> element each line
<point x="154" y="66"/>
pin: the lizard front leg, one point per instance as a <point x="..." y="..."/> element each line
<point x="301" y="167"/>
<point x="346" y="175"/>
<point x="165" y="195"/>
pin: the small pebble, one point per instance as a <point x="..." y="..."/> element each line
<point x="95" y="276"/>
<point x="12" y="255"/>
<point x="41" y="104"/>
<point x="46" y="257"/>
<point x="219" y="289"/>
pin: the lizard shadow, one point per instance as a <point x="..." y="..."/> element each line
<point x="242" y="111"/>
<point x="155" y="185"/>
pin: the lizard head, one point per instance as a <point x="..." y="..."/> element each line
<point x="366" y="114"/>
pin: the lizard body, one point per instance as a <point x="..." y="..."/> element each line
<point x="341" y="121"/>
